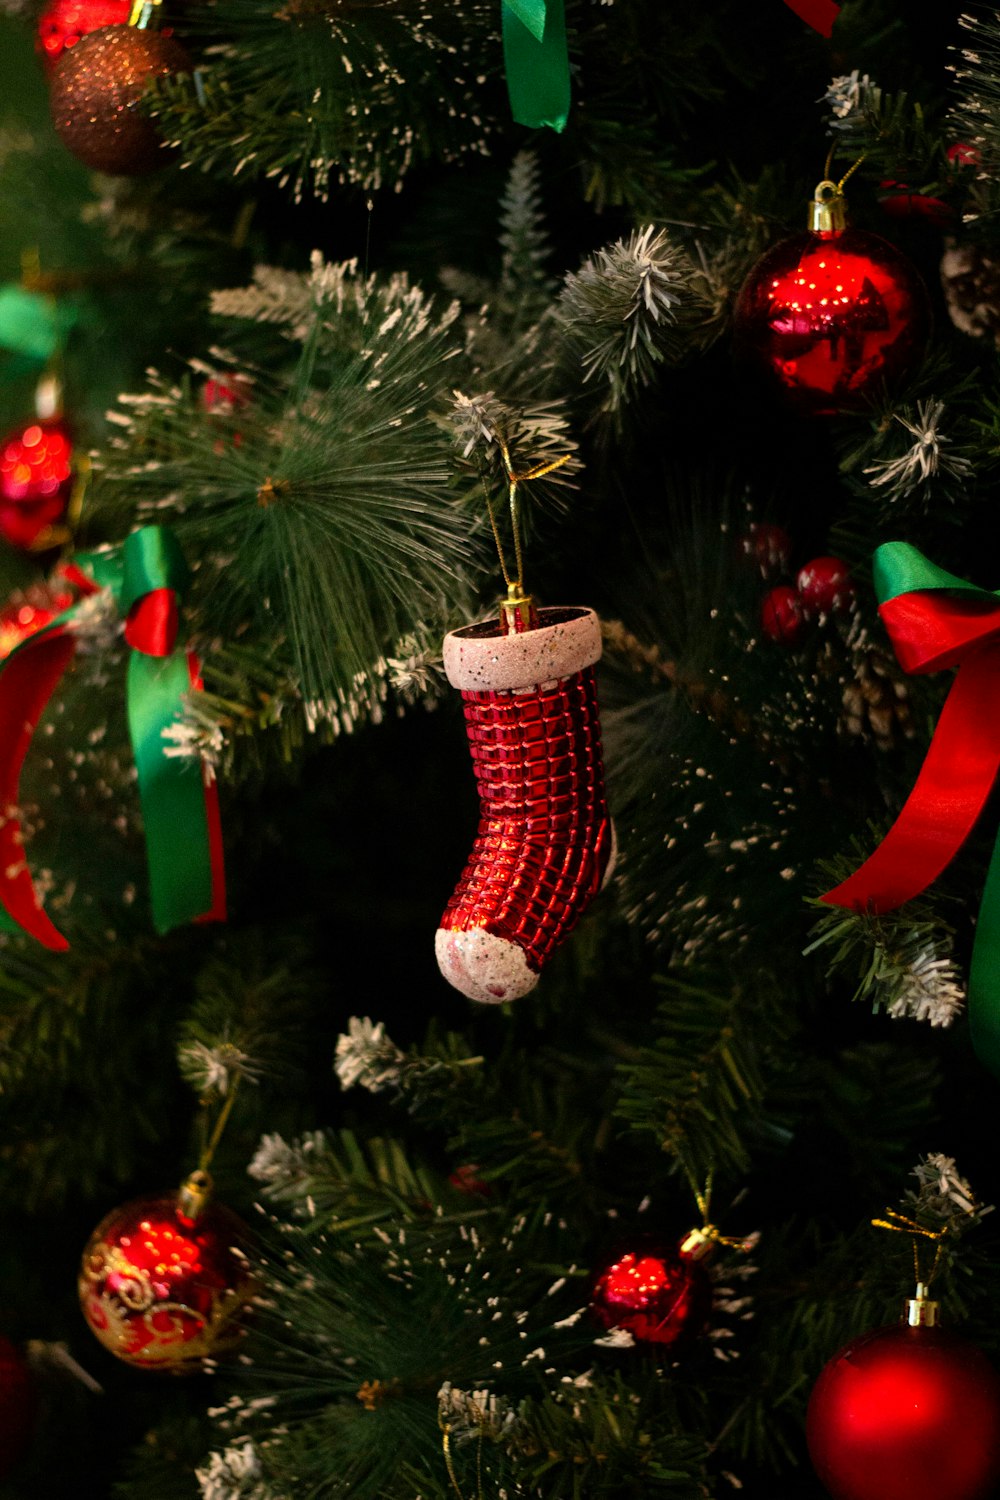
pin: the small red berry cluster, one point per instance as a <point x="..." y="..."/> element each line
<point x="822" y="587"/>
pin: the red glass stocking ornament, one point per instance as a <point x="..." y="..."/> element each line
<point x="908" y="1412"/>
<point x="834" y="313"/>
<point x="544" y="845"/>
<point x="165" y="1281"/>
<point x="660" y="1294"/>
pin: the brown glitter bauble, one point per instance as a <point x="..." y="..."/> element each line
<point x="96" y="98"/>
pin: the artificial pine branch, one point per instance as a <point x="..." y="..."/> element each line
<point x="326" y="521"/>
<point x="310" y="94"/>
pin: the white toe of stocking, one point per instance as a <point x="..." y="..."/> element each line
<point x="484" y="967"/>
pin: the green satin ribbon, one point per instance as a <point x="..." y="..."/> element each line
<point x="172" y="792"/>
<point x="33" y="327"/>
<point x="900" y="568"/>
<point x="537" y="62"/>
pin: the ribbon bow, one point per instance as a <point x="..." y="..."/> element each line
<point x="537" y="61"/>
<point x="179" y="797"/>
<point x="819" y="14"/>
<point x="936" y="620"/>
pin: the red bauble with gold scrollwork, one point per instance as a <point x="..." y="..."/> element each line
<point x="165" y="1291"/>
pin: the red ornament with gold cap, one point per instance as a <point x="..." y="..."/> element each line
<point x="97" y="89"/>
<point x="37" y="474"/>
<point x="659" y="1293"/>
<point x="165" y="1281"/>
<point x="835" y="314"/>
<point x="907" y="1412"/>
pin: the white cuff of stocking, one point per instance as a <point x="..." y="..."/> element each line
<point x="478" y="659"/>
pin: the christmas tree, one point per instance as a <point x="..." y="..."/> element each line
<point x="545" y="1125"/>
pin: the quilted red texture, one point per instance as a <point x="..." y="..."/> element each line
<point x="544" y="836"/>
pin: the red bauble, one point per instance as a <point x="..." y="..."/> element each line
<point x="36" y="478"/>
<point x="901" y="202"/>
<point x="658" y="1295"/>
<point x="781" y="615"/>
<point x="770" y="547"/>
<point x="906" y="1414"/>
<point x="28" y="612"/>
<point x="64" y="22"/>
<point x="466" y="1179"/>
<point x="164" y="1291"/>
<point x="835" y="316"/>
<point x="96" y="98"/>
<point x="226" y="395"/>
<point x="17" y="1406"/>
<point x="825" y="587"/>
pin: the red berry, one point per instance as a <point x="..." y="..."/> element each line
<point x="770" y="546"/>
<point x="781" y="615"/>
<point x="825" y="587"/>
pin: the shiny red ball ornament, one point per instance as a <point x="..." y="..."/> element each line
<point x="36" y="478"/>
<point x="96" y="98"/>
<point x="227" y="394"/>
<point x="781" y="615"/>
<point x="30" y="612"/>
<point x="165" y="1285"/>
<point x="64" y="22"/>
<point x="834" y="313"/>
<point x="661" y="1296"/>
<point x="17" y="1406"/>
<point x="769" y="546"/>
<point x="466" y="1179"/>
<point x="825" y="587"/>
<point x="906" y="1413"/>
<point x="901" y="202"/>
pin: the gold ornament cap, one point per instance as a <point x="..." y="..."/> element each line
<point x="192" y="1199"/>
<point x="697" y="1244"/>
<point x="517" y="611"/>
<point x="828" y="209"/>
<point x="920" y="1311"/>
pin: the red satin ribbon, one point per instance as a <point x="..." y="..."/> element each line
<point x="153" y="622"/>
<point x="819" y="14"/>
<point x="930" y="631"/>
<point x="29" y="681"/>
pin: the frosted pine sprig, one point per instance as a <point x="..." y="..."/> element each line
<point x="523" y="236"/>
<point x="340" y="296"/>
<point x="474" y="1414"/>
<point x="627" y="308"/>
<point x="928" y="989"/>
<point x="288" y="1169"/>
<point x="533" y="436"/>
<point x="367" y="1057"/>
<point x="846" y="97"/>
<point x="216" y="1070"/>
<point x="923" y="460"/>
<point x="944" y="1196"/>
<point x="234" y="1474"/>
